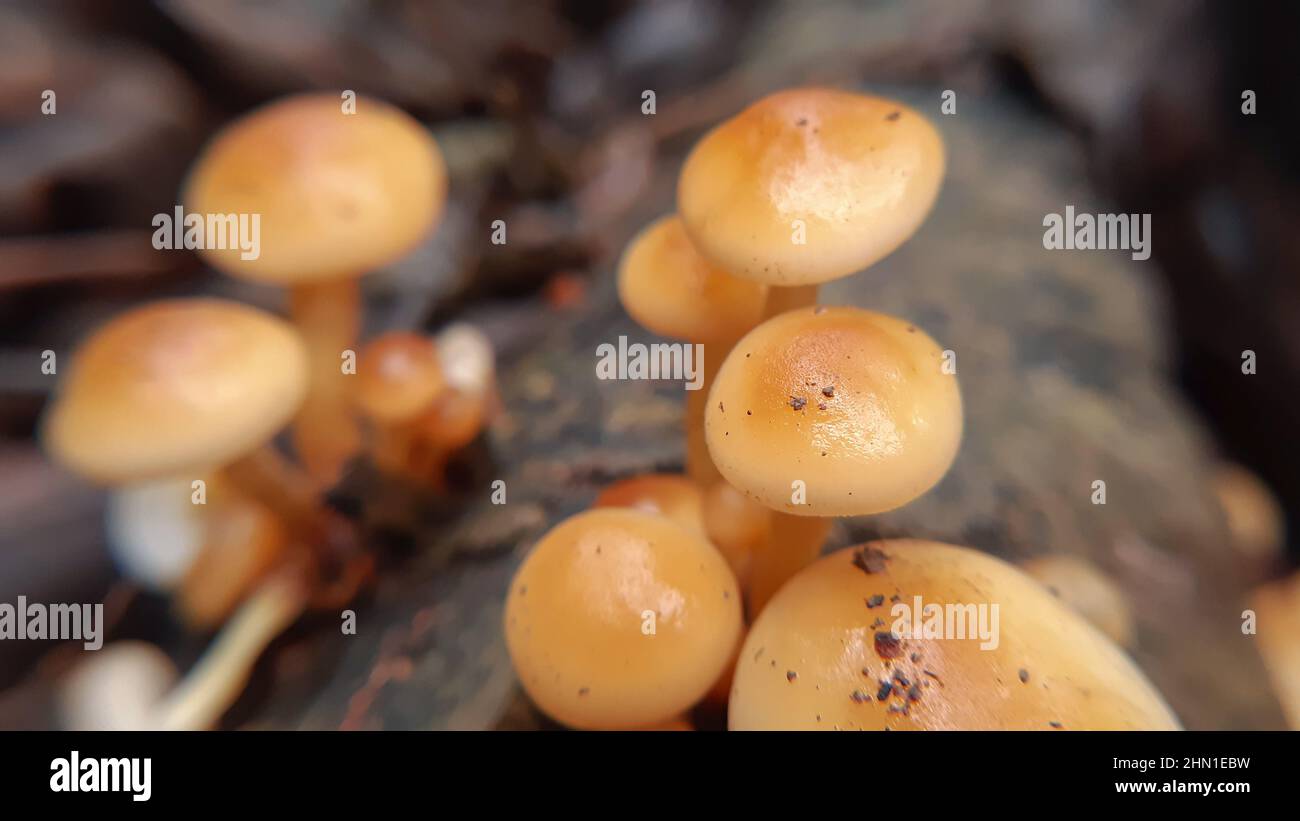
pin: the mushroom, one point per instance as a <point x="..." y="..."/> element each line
<point x="1088" y="591"/>
<point x="737" y="525"/>
<point x="115" y="688"/>
<point x="619" y="619"/>
<point x="670" y="290"/>
<point x="133" y="685"/>
<point x="465" y="407"/>
<point x="182" y="389"/>
<point x="830" y="412"/>
<point x="836" y="648"/>
<point x="808" y="185"/>
<point x="674" y="497"/>
<point x="339" y="194"/>
<point x="1255" y="519"/>
<point x="1277" y="614"/>
<point x="399" y="377"/>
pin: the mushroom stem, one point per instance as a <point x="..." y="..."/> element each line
<point x="781" y="299"/>
<point x="219" y="677"/>
<point x="266" y="475"/>
<point x="326" y="433"/>
<point x="792" y="543"/>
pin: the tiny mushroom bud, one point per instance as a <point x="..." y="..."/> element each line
<point x="1255" y="519"/>
<point x="1091" y="593"/>
<point x="858" y="173"/>
<point x="399" y="378"/>
<point x="465" y="407"/>
<point x="669" y="289"/>
<point x="337" y="195"/>
<point x="674" y="497"/>
<point x="116" y="688"/>
<point x="620" y="619"/>
<point x="970" y="643"/>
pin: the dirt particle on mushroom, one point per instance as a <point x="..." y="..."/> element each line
<point x="893" y="116"/>
<point x="859" y="697"/>
<point x="870" y="559"/>
<point x="1024" y="676"/>
<point x="888" y="645"/>
<point x="885" y="689"/>
<point x="828" y="391"/>
<point x="875" y="601"/>
<point x="798" y="402"/>
<point x="791" y="675"/>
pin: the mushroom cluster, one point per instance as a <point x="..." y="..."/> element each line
<point x="174" y="406"/>
<point x="807" y="413"/>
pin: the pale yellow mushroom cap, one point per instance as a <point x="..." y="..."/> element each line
<point x="668" y="288"/>
<point x="175" y="388"/>
<point x="810" y="185"/>
<point x="621" y="619"/>
<point x="339" y="194"/>
<point x="817" y="655"/>
<point x="666" y="494"/>
<point x="1088" y="591"/>
<point x="854" y="404"/>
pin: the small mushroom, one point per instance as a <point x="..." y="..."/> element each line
<point x="669" y="289"/>
<point x="399" y="377"/>
<point x="116" y="688"/>
<point x="808" y="185"/>
<point x="465" y="407"/>
<point x="664" y="494"/>
<point x="1088" y="591"/>
<point x="737" y="525"/>
<point x="1256" y="523"/>
<point x="620" y="619"/>
<point x="339" y="194"/>
<point x="1043" y="667"/>
<point x="830" y="412"/>
<point x="133" y="685"/>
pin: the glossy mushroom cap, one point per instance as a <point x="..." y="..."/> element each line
<point x="338" y="194"/>
<point x="1088" y="591"/>
<point x="854" y="404"/>
<point x="668" y="288"/>
<point x="664" y="494"/>
<point x="620" y="619"/>
<point x="857" y="173"/>
<point x="175" y="388"/>
<point x="818" y="659"/>
<point x="398" y="377"/>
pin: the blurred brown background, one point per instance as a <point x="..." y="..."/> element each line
<point x="1074" y="365"/>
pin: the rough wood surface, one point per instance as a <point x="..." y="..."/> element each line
<point x="1063" y="377"/>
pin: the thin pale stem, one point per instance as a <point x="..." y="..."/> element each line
<point x="781" y="299"/>
<point x="214" y="684"/>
